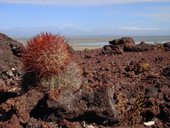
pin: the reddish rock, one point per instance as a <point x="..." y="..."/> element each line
<point x="10" y="64"/>
<point x="138" y="67"/>
<point x="54" y="94"/>
<point x="118" y="90"/>
<point x="21" y="105"/>
<point x="12" y="123"/>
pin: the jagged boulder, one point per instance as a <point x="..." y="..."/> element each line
<point x="125" y="42"/>
<point x="118" y="46"/>
<point x="83" y="105"/>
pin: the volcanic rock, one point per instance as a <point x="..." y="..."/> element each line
<point x="118" y="46"/>
<point x="142" y="47"/>
<point x="118" y="90"/>
<point x="10" y="64"/>
<point x="95" y="102"/>
<point x="167" y="46"/>
<point x="125" y="42"/>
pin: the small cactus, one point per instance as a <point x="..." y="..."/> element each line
<point x="46" y="54"/>
<point x="51" y="59"/>
<point x="70" y="78"/>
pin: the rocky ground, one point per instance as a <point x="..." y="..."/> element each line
<point x="124" y="85"/>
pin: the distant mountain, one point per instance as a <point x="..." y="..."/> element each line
<point x="69" y="30"/>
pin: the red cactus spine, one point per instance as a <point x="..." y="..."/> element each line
<point x="46" y="54"/>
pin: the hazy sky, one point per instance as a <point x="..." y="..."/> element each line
<point x="85" y="17"/>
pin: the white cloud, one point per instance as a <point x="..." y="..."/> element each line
<point x="139" y="29"/>
<point x="78" y="2"/>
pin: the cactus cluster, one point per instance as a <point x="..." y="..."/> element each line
<point x="50" y="58"/>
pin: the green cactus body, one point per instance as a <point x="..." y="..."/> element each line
<point x="70" y="78"/>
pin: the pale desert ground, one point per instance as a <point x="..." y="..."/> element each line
<point x="81" y="42"/>
<point x="93" y="42"/>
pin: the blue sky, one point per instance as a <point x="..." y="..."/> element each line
<point x="90" y="17"/>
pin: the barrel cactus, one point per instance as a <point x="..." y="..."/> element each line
<point x="50" y="58"/>
<point x="46" y="54"/>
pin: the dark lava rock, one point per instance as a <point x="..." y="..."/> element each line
<point x="112" y="49"/>
<point x="9" y="52"/>
<point x="10" y="64"/>
<point x="20" y="106"/>
<point x="166" y="72"/>
<point x="142" y="47"/>
<point x="12" y="123"/>
<point x="125" y="42"/>
<point x="118" y="46"/>
<point x="92" y="105"/>
<point x="167" y="46"/>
